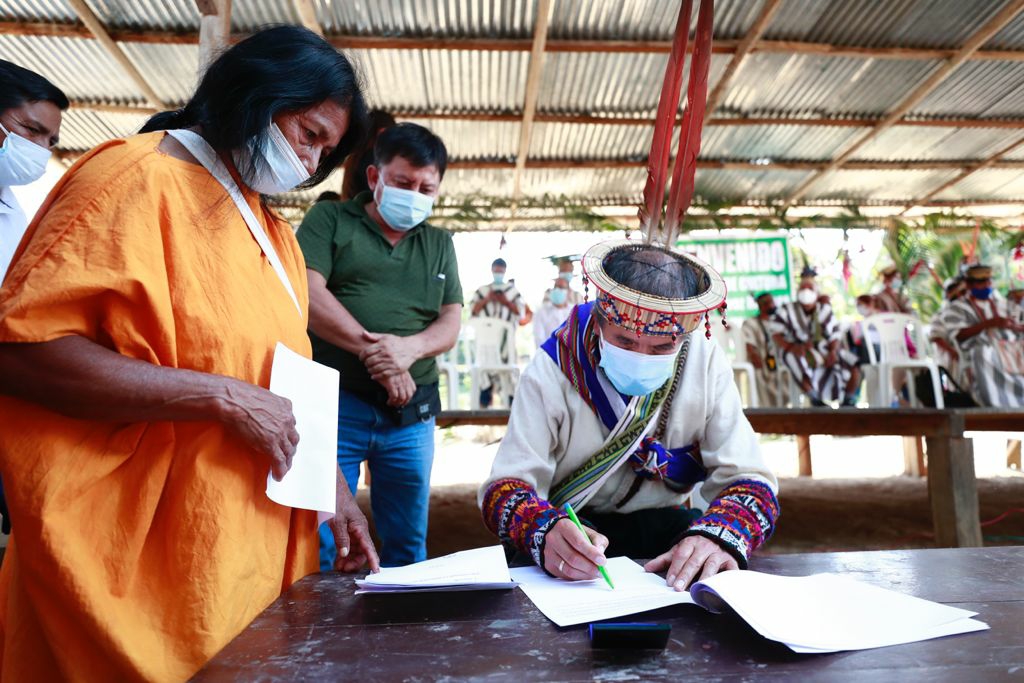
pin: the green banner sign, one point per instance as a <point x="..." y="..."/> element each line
<point x="749" y="265"/>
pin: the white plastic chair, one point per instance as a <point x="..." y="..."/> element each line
<point x="485" y="339"/>
<point x="729" y="340"/>
<point x="895" y="355"/>
<point x="451" y="374"/>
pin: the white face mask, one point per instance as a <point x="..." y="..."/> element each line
<point x="21" y="160"/>
<point x="897" y="283"/>
<point x="402" y="209"/>
<point x="276" y="168"/>
<point x="863" y="310"/>
<point x="807" y="296"/>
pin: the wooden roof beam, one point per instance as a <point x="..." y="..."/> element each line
<point x="99" y="32"/>
<point x="1003" y="17"/>
<point x="533" y="79"/>
<point x="990" y="162"/>
<point x="744" y="48"/>
<point x="214" y="30"/>
<point x="307" y="15"/>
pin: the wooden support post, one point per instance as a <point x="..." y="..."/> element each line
<point x="214" y="30"/>
<point x="533" y="78"/>
<point x="953" y="492"/>
<point x="913" y="456"/>
<point x="803" y="454"/>
<point x="1013" y="460"/>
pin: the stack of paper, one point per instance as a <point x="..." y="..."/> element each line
<point x="479" y="569"/>
<point x="829" y="612"/>
<point x="577" y="602"/>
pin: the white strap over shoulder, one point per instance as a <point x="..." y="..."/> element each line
<point x="207" y="156"/>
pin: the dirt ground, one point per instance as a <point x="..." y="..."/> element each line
<point x="818" y="515"/>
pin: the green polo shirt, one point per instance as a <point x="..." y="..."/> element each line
<point x="389" y="289"/>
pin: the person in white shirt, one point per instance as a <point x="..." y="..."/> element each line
<point x="30" y="117"/>
<point x="553" y="312"/>
<point x="566" y="271"/>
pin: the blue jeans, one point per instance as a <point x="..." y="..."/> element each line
<point x="399" y="459"/>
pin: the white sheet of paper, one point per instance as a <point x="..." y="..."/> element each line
<point x="311" y="483"/>
<point x="477" y="569"/>
<point x="577" y="602"/>
<point x="829" y="612"/>
<point x="951" y="629"/>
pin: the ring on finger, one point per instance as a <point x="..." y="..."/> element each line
<point x="560" y="566"/>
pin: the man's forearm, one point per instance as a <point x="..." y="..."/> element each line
<point x="330" y="320"/>
<point x="441" y="335"/>
<point x="972" y="331"/>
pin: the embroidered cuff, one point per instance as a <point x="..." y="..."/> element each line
<point x="514" y="512"/>
<point x="740" y="520"/>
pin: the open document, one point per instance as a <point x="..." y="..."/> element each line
<point x="579" y="602"/>
<point x="478" y="569"/>
<point x="311" y="483"/>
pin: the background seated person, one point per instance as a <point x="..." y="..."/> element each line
<point x="622" y="415"/>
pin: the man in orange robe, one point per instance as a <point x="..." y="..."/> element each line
<point x="141" y="548"/>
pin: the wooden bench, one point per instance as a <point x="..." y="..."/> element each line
<point x="952" y="488"/>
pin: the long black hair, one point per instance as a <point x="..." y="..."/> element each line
<point x="18" y="85"/>
<point x="279" y="69"/>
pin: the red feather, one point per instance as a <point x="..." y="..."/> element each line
<point x="661" y="144"/>
<point x="681" y="192"/>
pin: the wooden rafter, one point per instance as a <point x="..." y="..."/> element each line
<point x="533" y="78"/>
<point x="214" y="29"/>
<point x="746" y="45"/>
<point x="99" y="32"/>
<point x="724" y="47"/>
<point x="1010" y="10"/>
<point x="991" y="162"/>
<point x="307" y="15"/>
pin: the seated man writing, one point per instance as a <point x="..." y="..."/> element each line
<point x="622" y="414"/>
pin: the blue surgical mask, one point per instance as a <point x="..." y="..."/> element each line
<point x="558" y="296"/>
<point x="897" y="283"/>
<point x="981" y="292"/>
<point x="634" y="373"/>
<point x="499" y="278"/>
<point x="402" y="209"/>
<point x="567" y="276"/>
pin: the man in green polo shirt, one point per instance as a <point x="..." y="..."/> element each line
<point x="384" y="302"/>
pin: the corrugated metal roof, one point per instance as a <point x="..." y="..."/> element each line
<point x="172" y="70"/>
<point x="990" y="183"/>
<point x="449" y="18"/>
<point x="878" y="185"/>
<point x="644" y="19"/>
<point x="905" y="143"/>
<point x="600" y="183"/>
<point x="1010" y="38"/>
<point x="986" y="89"/>
<point x="627" y="84"/>
<point x="441" y="81"/>
<point x="79" y="67"/>
<point x="905" y="23"/>
<point x="83" y="130"/>
<point x="589" y="141"/>
<point x="476" y="140"/>
<point x="807" y="143"/>
<point x="815" y="85"/>
<point x="167" y="15"/>
<point x="56" y="11"/>
<point x="716" y="185"/>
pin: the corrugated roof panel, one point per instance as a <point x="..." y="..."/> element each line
<point x="982" y="89"/>
<point x="599" y="183"/>
<point x="627" y="84"/>
<point x="877" y="185"/>
<point x="1010" y="38"/>
<point x="249" y="15"/>
<point x="57" y="11"/>
<point x="905" y="143"/>
<point x="904" y="23"/>
<point x="79" y="67"/>
<point x="165" y="15"/>
<point x="461" y="184"/>
<point x="589" y="141"/>
<point x="643" y="19"/>
<point x="807" y="143"/>
<point x="476" y="140"/>
<point x="82" y="129"/>
<point x="442" y="81"/>
<point x="989" y="183"/>
<point x="448" y="18"/>
<point x="170" y="69"/>
<point x="1017" y="154"/>
<point x="717" y="185"/>
<point x="815" y="85"/>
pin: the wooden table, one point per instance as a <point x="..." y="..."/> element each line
<point x="319" y="630"/>
<point x="951" y="483"/>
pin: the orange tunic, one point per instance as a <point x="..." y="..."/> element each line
<point x="141" y="549"/>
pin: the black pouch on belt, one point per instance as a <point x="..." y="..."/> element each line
<point x="424" y="404"/>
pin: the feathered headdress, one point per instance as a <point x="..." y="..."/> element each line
<point x="637" y="311"/>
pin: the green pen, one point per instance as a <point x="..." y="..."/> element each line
<point x="576" y="521"/>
